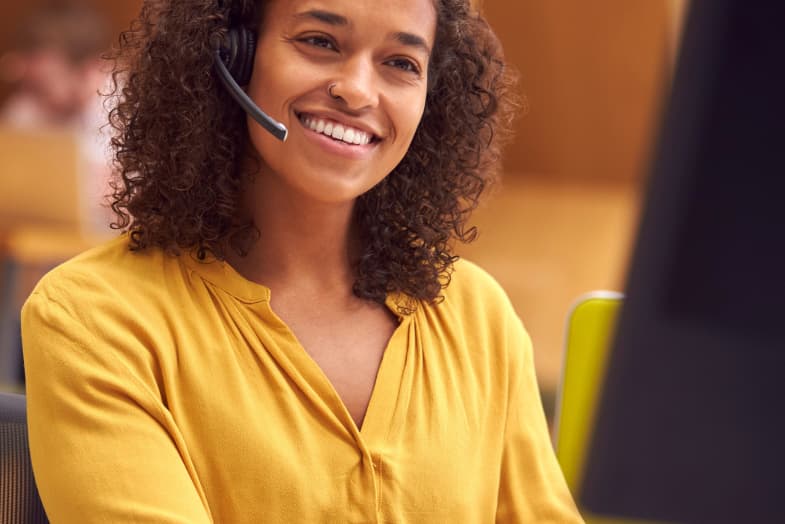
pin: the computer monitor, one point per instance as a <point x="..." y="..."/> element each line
<point x="691" y="422"/>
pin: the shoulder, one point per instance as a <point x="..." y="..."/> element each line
<point x="109" y="265"/>
<point x="477" y="326"/>
<point x="473" y="288"/>
<point x="107" y="278"/>
<point x="110" y="308"/>
<point x="477" y="310"/>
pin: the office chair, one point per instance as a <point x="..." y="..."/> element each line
<point x="590" y="326"/>
<point x="19" y="501"/>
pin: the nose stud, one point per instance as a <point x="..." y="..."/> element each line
<point x="330" y="91"/>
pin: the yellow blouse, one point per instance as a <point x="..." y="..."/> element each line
<point x="162" y="389"/>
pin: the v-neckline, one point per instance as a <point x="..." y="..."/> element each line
<point x="380" y="411"/>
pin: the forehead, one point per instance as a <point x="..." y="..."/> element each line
<point x="376" y="15"/>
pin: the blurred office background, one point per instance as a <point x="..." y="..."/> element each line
<point x="559" y="224"/>
<point x="562" y="223"/>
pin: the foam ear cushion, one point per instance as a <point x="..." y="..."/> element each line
<point x="247" y="43"/>
<point x="238" y="53"/>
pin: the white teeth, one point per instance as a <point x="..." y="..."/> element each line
<point x="337" y="131"/>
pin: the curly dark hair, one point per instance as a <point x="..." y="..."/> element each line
<point x="179" y="141"/>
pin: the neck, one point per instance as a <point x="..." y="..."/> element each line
<point x="303" y="244"/>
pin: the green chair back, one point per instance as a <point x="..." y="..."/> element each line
<point x="590" y="327"/>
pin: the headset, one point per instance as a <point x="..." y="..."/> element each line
<point x="233" y="59"/>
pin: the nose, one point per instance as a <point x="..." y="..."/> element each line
<point x="355" y="85"/>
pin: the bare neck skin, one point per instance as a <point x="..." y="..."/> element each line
<point x="304" y="244"/>
<point x="303" y="256"/>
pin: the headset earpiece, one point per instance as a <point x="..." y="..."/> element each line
<point x="237" y="53"/>
<point x="233" y="58"/>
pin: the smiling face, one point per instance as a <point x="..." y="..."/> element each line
<point x="348" y="78"/>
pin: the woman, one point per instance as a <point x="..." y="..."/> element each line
<point x="284" y="334"/>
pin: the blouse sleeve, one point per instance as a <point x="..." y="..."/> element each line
<point x="532" y="487"/>
<point x="103" y="446"/>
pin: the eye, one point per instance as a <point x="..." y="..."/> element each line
<point x="318" y="41"/>
<point x="404" y="64"/>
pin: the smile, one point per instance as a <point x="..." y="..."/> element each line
<point x="336" y="131"/>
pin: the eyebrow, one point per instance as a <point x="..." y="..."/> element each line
<point x="334" y="19"/>
<point x="412" y="40"/>
<point x="324" y="16"/>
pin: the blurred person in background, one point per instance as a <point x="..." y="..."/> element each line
<point x="56" y="73"/>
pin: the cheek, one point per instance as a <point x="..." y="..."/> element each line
<point x="271" y="97"/>
<point x="269" y="149"/>
<point x="409" y="117"/>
